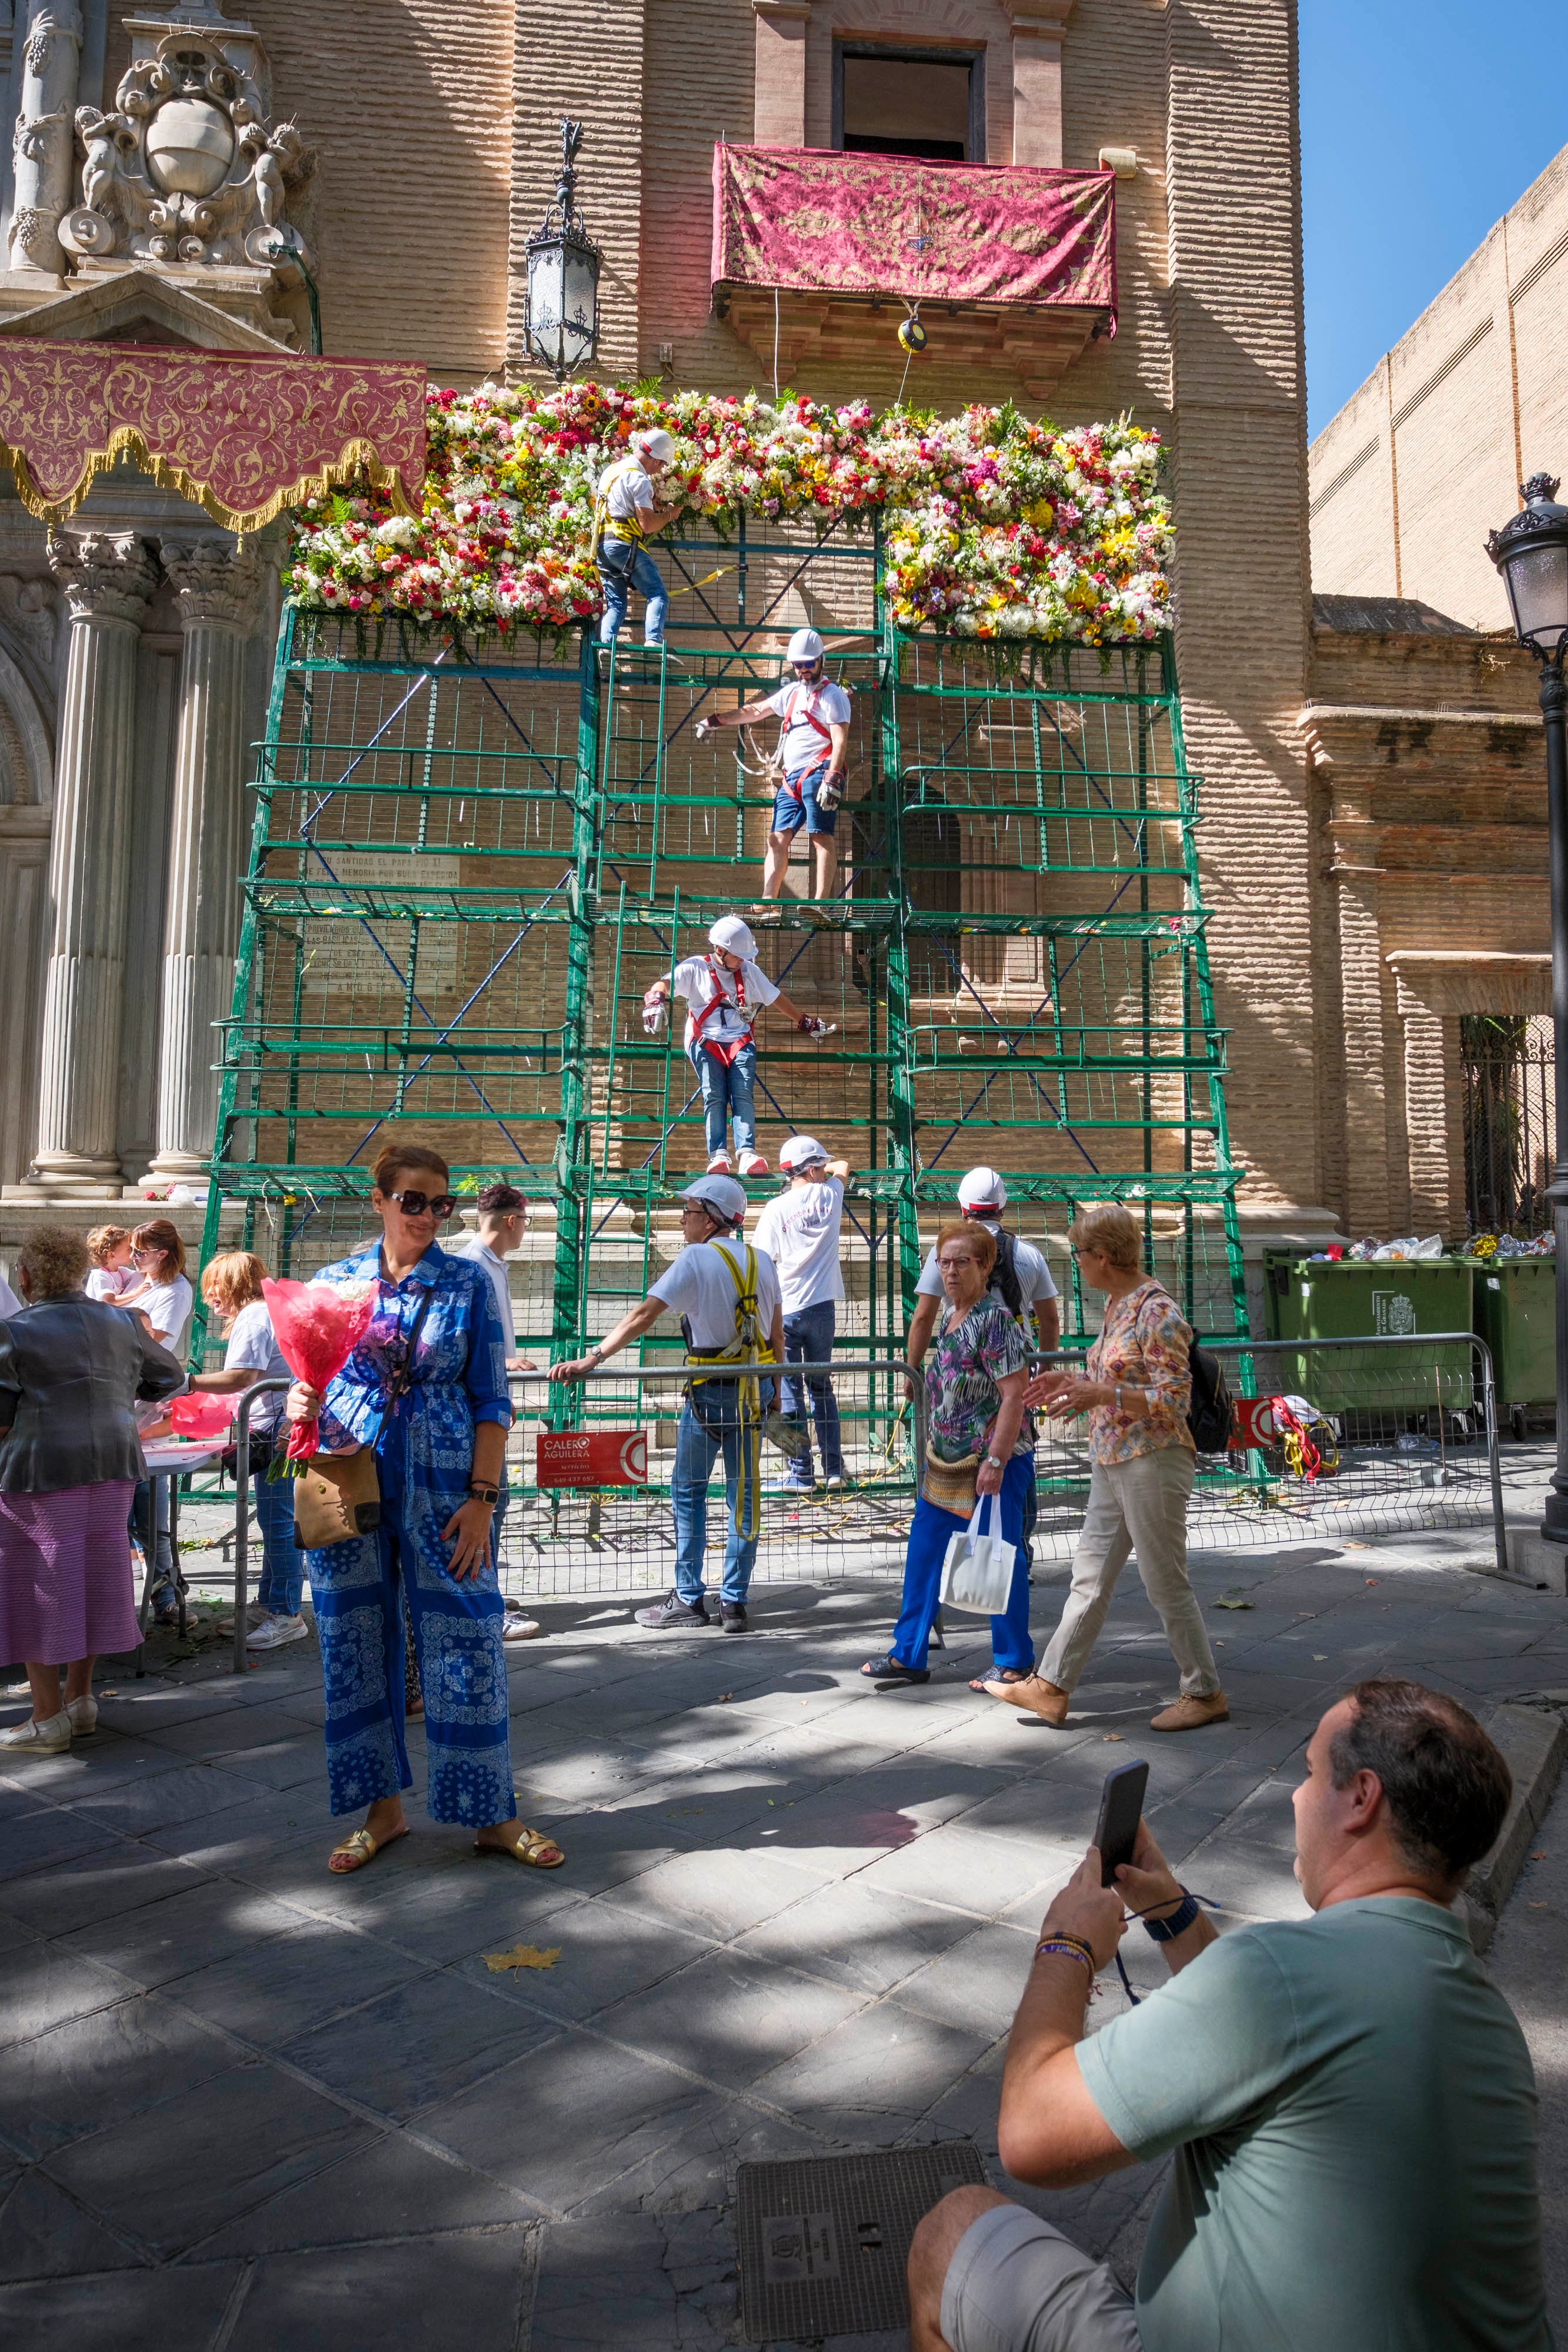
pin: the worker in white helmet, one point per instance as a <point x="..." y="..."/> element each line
<point x="1023" y="1280"/>
<point x="726" y="1296"/>
<point x="625" y="517"/>
<point x="799" y="1232"/>
<point x="814" y="752"/>
<point x="725" y="990"/>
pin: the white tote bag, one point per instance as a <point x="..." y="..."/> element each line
<point x="977" y="1570"/>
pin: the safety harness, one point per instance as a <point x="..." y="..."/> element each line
<point x="748" y="1346"/>
<point x="791" y="717"/>
<point x="626" y="526"/>
<point x="721" y="1050"/>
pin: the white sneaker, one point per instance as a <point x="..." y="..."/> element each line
<point x="29" y="1738"/>
<point x="719" y="1164"/>
<point x="83" y="1713"/>
<point x="754" y="1165"/>
<point x="275" y="1631"/>
<point x="256" y="1614"/>
<point x="833" y="1482"/>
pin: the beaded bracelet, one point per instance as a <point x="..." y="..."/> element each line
<point x="1073" y="1946"/>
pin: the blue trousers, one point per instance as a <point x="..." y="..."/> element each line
<point x="621" y="567"/>
<point x="697" y="1446"/>
<point x="282" y="1585"/>
<point x="809" y="1339"/>
<point x="727" y="1094"/>
<point x="928" y="1539"/>
<point x="360" y="1588"/>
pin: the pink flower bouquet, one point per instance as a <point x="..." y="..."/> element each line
<point x="317" y="1328"/>
<point x="197" y="1415"/>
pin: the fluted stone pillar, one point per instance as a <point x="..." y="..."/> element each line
<point x="217" y="583"/>
<point x="108" y="579"/>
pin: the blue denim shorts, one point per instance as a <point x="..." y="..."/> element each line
<point x="790" y="813"/>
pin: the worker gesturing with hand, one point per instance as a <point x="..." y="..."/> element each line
<point x="725" y="990"/>
<point x="813" y="753"/>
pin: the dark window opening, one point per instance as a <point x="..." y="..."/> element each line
<point x="925" y="102"/>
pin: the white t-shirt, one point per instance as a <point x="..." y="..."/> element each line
<point x="702" y="980"/>
<point x="801" y="745"/>
<point x="1034" y="1276"/>
<point x="9" y="1303"/>
<point x="108" y="1281"/>
<point x="629" y="490"/>
<point x="473" y="1246"/>
<point x="253" y="1347"/>
<point x="700" y="1286"/>
<point x="167" y="1306"/>
<point x="799" y="1232"/>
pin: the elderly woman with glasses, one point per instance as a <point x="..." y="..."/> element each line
<point x="426" y="1389"/>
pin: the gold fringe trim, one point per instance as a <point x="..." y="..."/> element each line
<point x="126" y="441"/>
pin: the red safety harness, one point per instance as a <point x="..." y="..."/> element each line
<point x="791" y="719"/>
<point x="700" y="1018"/>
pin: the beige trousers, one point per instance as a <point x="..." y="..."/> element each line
<point x="1138" y="1506"/>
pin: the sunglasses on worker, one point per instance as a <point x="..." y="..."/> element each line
<point x="414" y="1205"/>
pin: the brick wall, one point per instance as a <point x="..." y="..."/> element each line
<point x="1424" y="458"/>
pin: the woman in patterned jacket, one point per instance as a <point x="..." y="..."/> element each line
<point x="1136" y="1389"/>
<point x="435" y="1337"/>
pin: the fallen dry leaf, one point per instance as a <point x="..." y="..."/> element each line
<point x="522" y="1956"/>
<point x="1110" y="1734"/>
<point x="1319" y="1657"/>
<point x="1540" y="1907"/>
<point x="1223" y="1603"/>
<point x="724" y="1698"/>
<point x="1538" y="1857"/>
<point x="1372" y="1579"/>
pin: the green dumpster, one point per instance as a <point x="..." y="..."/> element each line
<point x="1516" y="1315"/>
<point x="1306" y="1299"/>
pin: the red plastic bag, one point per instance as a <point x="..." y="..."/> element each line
<point x="200" y="1415"/>
<point x="316" y="1328"/>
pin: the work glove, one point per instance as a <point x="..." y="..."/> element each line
<point x="809" y="1027"/>
<point x="830" y="792"/>
<point x="704" y="728"/>
<point x="655" y="1013"/>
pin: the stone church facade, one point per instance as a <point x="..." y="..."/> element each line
<point x="398" y="154"/>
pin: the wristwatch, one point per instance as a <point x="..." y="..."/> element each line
<point x="993" y="1461"/>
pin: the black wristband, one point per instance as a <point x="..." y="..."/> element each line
<point x="1178" y="1922"/>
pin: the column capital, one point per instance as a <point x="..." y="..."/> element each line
<point x="1038" y="20"/>
<point x="107" y="576"/>
<point x="214" y="581"/>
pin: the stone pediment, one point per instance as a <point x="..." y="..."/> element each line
<point x="136" y="305"/>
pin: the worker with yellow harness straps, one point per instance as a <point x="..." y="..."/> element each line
<point x="624" y="516"/>
<point x="728" y="1296"/>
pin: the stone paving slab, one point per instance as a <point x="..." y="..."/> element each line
<point x="242" y="2101"/>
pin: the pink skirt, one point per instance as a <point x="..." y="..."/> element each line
<point x="65" y="1574"/>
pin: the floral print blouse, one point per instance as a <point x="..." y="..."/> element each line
<point x="1143" y="1344"/>
<point x="963" y="1365"/>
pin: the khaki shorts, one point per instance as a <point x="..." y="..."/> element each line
<point x="1015" y="2285"/>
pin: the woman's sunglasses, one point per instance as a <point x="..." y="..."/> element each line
<point x="414" y="1205"/>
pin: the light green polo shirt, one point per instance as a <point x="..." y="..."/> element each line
<point x="1353" y="2111"/>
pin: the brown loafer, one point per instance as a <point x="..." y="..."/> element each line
<point x="1036" y="1695"/>
<point x="1188" y="1714"/>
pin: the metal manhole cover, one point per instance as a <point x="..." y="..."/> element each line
<point x="823" y="2241"/>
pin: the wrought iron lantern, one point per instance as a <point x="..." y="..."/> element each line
<point x="1531" y="551"/>
<point x="563" y="274"/>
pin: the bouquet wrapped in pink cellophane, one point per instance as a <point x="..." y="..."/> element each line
<point x="317" y="1327"/>
<point x="199" y="1415"/>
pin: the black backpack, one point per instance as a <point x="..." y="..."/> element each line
<point x="1004" y="1278"/>
<point x="1212" y="1411"/>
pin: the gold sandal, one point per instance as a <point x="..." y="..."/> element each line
<point x="356" y="1850"/>
<point x="531" y="1846"/>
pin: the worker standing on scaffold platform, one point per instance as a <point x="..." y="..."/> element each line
<point x="813" y="751"/>
<point x="624" y="516"/>
<point x="725" y="990"/>
<point x="726" y="1296"/>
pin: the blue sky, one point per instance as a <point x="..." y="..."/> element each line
<point x="1422" y="121"/>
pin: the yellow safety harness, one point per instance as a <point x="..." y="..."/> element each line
<point x="748" y="1346"/>
<point x="626" y="526"/>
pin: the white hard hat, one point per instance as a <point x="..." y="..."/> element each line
<point x="730" y="932"/>
<point x="805" y="645"/>
<point x="801" y="1151"/>
<point x="721" y="1195"/>
<point x="654" y="443"/>
<point x="982" y="1188"/>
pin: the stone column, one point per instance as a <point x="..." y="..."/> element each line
<point x="108" y="580"/>
<point x="42" y="146"/>
<point x="1039" y="29"/>
<point x="779" y="119"/>
<point x="217" y="582"/>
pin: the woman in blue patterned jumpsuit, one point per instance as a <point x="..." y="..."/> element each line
<point x="440" y="1447"/>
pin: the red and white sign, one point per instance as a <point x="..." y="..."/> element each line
<point x="598" y="1457"/>
<point x="1255" y="1422"/>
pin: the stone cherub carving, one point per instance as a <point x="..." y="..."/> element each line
<point x="186" y="166"/>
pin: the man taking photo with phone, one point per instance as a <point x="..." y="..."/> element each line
<point x="1349" y="2099"/>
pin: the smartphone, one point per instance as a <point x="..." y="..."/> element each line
<point x="1120" y="1809"/>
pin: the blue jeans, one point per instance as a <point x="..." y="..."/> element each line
<point x="696" y="1449"/>
<point x="621" y="567"/>
<point x="282" y="1585"/>
<point x="809" y="1339"/>
<point x="929" y="1537"/>
<point x="727" y="1094"/>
